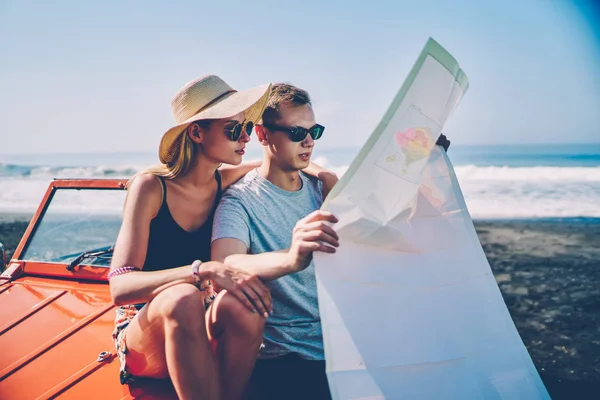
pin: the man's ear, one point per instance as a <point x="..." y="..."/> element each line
<point x="261" y="134"/>
<point x="194" y="132"/>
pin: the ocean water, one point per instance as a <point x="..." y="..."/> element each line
<point x="529" y="181"/>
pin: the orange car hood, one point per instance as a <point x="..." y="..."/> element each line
<point x="52" y="332"/>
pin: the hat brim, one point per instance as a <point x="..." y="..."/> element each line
<point x="251" y="102"/>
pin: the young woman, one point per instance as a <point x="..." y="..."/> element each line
<point x="161" y="276"/>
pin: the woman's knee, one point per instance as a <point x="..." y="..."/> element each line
<point x="181" y="305"/>
<point x="236" y="316"/>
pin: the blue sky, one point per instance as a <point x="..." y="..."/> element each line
<point x="99" y="76"/>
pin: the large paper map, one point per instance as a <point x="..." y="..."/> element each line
<point x="409" y="305"/>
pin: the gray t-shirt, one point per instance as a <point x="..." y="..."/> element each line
<point x="262" y="216"/>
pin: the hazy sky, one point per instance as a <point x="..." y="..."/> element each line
<point x="99" y="76"/>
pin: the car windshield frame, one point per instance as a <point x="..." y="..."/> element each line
<point x="88" y="268"/>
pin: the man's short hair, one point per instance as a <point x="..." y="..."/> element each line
<point x="283" y="93"/>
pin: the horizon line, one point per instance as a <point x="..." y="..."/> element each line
<point x="454" y="144"/>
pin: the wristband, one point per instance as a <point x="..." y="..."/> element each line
<point x="205" y="286"/>
<point x="196" y="271"/>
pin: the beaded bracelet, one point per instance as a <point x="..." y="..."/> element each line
<point x="121" y="271"/>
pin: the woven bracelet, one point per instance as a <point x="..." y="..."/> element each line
<point x="122" y="271"/>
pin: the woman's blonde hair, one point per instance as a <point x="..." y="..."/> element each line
<point x="184" y="159"/>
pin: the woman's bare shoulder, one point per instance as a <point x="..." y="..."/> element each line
<point x="145" y="191"/>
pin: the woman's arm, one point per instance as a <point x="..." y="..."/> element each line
<point x="144" y="198"/>
<point x="232" y="173"/>
<point x="328" y="178"/>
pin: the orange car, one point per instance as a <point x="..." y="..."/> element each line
<point x="57" y="315"/>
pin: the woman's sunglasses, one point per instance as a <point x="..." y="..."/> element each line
<point x="235" y="132"/>
<point x="298" y="133"/>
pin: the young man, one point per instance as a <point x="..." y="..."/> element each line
<point x="262" y="223"/>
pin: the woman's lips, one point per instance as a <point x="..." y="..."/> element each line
<point x="241" y="152"/>
<point x="304" y="156"/>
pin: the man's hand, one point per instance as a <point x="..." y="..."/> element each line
<point x="311" y="234"/>
<point x="443" y="141"/>
<point x="246" y="287"/>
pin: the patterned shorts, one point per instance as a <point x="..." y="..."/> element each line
<point x="125" y="315"/>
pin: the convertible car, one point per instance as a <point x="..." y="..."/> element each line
<point x="57" y="315"/>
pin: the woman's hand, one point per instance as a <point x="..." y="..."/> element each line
<point x="328" y="178"/>
<point x="246" y="287"/>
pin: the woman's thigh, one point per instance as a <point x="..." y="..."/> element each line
<point x="145" y="336"/>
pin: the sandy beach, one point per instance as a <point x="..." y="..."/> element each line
<point x="549" y="274"/>
<point x="12" y="227"/>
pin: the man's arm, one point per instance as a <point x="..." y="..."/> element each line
<point x="312" y="233"/>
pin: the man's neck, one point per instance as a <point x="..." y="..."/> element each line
<point x="286" y="180"/>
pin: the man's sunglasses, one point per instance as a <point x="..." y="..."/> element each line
<point x="298" y="133"/>
<point x="235" y="132"/>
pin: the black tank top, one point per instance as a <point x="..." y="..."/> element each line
<point x="169" y="245"/>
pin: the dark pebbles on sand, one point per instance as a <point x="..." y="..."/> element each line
<point x="549" y="274"/>
<point x="11" y="231"/>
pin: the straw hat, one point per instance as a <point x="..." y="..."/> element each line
<point x="209" y="97"/>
